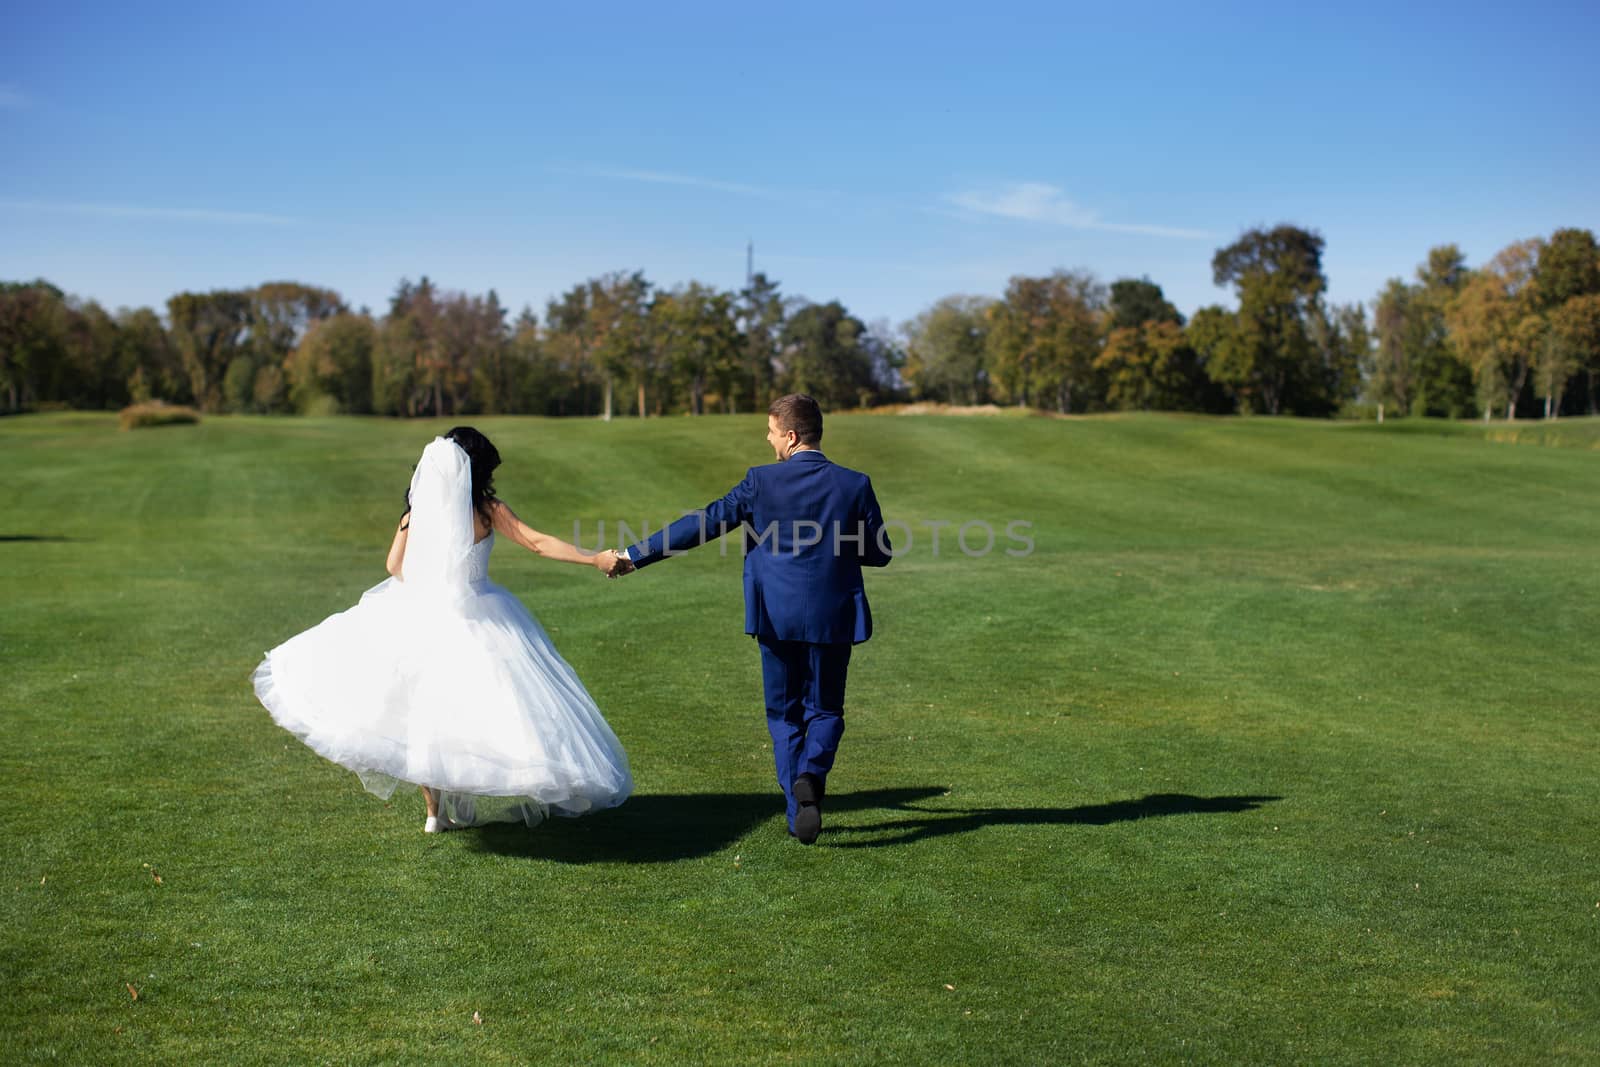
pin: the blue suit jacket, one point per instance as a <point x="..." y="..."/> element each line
<point x="809" y="527"/>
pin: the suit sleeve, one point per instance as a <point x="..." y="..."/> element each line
<point x="875" y="549"/>
<point x="696" y="528"/>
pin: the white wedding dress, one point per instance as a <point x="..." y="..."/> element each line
<point x="444" y="679"/>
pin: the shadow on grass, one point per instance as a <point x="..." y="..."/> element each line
<point x="660" y="828"/>
<point x="941" y="823"/>
<point x="675" y="826"/>
<point x="4" y="538"/>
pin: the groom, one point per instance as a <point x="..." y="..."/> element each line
<point x="809" y="527"/>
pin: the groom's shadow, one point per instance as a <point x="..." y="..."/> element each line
<point x="939" y="823"/>
<point x="661" y="828"/>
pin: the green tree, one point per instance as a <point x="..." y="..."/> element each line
<point x="823" y="355"/>
<point x="620" y="311"/>
<point x="542" y="387"/>
<point x="1270" y="363"/>
<point x="1567" y="265"/>
<point x="431" y="347"/>
<point x="698" y="339"/>
<point x="1393" y="373"/>
<point x="33" y="338"/>
<point x="946" y="350"/>
<point x="239" y="384"/>
<point x="1566" y="276"/>
<point x="209" y="331"/>
<point x="470" y="336"/>
<point x="1443" y="381"/>
<point x="1341" y="343"/>
<point x="1571" y="344"/>
<point x="282" y="312"/>
<point x="570" y="344"/>
<point x="89" y="376"/>
<point x="403" y="364"/>
<point x="596" y="330"/>
<point x="1044" y="336"/>
<point x="500" y="373"/>
<point x="761" y="320"/>
<point x="331" y="368"/>
<point x="1136" y="301"/>
<point x="153" y="369"/>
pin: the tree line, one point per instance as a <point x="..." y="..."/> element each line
<point x="1517" y="336"/>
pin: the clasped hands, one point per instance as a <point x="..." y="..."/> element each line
<point x="613" y="563"/>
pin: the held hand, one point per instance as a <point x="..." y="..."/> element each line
<point x="612" y="563"/>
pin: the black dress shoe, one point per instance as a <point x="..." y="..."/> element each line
<point x="807" y="793"/>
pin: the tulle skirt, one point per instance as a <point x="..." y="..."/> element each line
<point x="467" y="696"/>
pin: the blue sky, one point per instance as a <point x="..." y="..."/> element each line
<point x="884" y="155"/>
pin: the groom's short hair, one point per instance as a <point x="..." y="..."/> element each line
<point x="799" y="413"/>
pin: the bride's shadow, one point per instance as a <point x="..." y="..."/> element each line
<point x="661" y="828"/>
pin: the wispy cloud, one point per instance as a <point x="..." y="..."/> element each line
<point x="167" y="214"/>
<point x="1039" y="202"/>
<point x="656" y="177"/>
<point x="12" y="99"/>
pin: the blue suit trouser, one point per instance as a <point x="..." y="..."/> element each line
<point x="805" y="708"/>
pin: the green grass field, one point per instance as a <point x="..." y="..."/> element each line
<point x="1279" y="747"/>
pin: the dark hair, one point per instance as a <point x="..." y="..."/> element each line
<point x="484" y="458"/>
<point x="799" y="413"/>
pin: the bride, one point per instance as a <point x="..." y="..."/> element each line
<point x="441" y="678"/>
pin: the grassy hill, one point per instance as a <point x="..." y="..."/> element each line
<point x="1278" y="746"/>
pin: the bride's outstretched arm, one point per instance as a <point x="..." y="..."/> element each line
<point x="397" y="549"/>
<point x="507" y="524"/>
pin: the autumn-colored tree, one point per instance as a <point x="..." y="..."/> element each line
<point x="1148" y="362"/>
<point x="1496" y="327"/>
<point x="1044" y="336"/>
<point x="1148" y="367"/>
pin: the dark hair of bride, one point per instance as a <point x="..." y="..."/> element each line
<point x="484" y="458"/>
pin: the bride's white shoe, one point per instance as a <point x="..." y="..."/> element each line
<point x="438" y="824"/>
